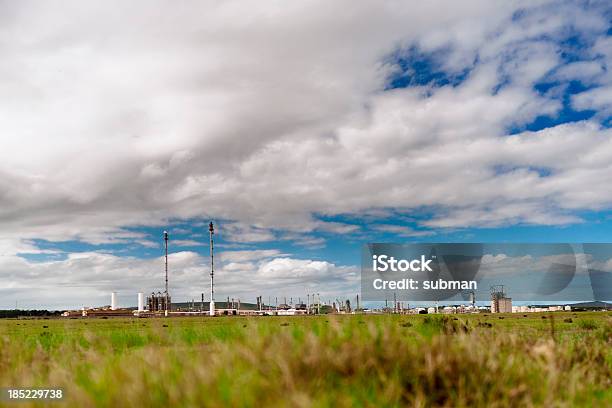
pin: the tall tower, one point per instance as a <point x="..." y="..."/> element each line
<point x="211" y="230"/>
<point x="166" y="294"/>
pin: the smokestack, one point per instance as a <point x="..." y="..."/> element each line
<point x="140" y="302"/>
<point x="166" y="294"/>
<point x="114" y="301"/>
<point x="211" y="230"/>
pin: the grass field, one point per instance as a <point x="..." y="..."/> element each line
<point x="559" y="359"/>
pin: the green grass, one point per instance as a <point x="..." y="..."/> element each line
<point x="560" y="359"/>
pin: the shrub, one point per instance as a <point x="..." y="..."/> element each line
<point x="587" y="324"/>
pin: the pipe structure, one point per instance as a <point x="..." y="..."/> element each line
<point x="211" y="230"/>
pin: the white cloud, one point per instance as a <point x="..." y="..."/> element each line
<point x="238" y="232"/>
<point x="118" y="115"/>
<point x="87" y="279"/>
<point x="599" y="99"/>
<point x="507" y="266"/>
<point x="586" y="71"/>
<point x="248" y="255"/>
<point x="401" y="231"/>
<point x="187" y="243"/>
<point x="336" y="227"/>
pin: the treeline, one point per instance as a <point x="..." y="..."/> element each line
<point x="27" y="313"/>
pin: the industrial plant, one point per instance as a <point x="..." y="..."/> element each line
<point x="159" y="304"/>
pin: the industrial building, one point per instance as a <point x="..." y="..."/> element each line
<point x="159" y="304"/>
<point x="500" y="303"/>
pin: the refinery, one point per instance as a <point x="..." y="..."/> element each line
<point x="159" y="304"/>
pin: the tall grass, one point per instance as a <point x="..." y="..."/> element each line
<point x="319" y="361"/>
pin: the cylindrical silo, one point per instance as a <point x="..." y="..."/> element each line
<point x="114" y="301"/>
<point x="140" y="302"/>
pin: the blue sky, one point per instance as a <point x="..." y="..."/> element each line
<point x="345" y="249"/>
<point x="303" y="136"/>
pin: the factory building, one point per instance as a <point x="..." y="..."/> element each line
<point x="500" y="303"/>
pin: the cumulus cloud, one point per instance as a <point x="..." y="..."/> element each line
<point x="123" y="115"/>
<point x="88" y="278"/>
<point x="599" y="76"/>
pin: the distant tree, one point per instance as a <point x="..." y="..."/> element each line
<point x="27" y="313"/>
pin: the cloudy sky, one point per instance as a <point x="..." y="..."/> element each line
<point x="304" y="129"/>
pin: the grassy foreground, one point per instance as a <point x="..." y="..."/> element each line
<point x="560" y="359"/>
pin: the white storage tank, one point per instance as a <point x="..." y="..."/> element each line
<point x="140" y="302"/>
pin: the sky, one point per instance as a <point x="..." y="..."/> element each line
<point x="303" y="129"/>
